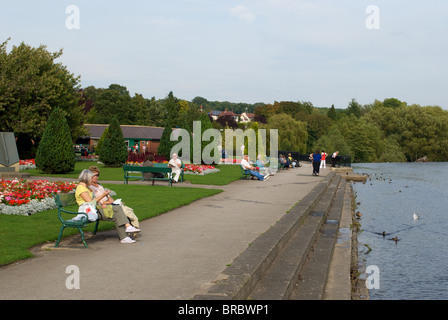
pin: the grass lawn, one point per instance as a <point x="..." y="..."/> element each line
<point x="19" y="233"/>
<point x="227" y="174"/>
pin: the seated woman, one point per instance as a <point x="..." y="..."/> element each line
<point x="84" y="194"/>
<point x="285" y="162"/>
<point x="262" y="167"/>
<point x="98" y="189"/>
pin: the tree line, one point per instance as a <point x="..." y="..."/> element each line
<point x="33" y="84"/>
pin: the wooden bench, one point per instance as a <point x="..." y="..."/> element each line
<point x="157" y="168"/>
<point x="68" y="199"/>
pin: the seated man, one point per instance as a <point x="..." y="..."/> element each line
<point x="247" y="166"/>
<point x="175" y="165"/>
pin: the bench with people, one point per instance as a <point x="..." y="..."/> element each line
<point x="284" y="163"/>
<point x="251" y="170"/>
<point x="171" y="171"/>
<point x="99" y="205"/>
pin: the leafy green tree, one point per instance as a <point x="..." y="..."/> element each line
<point x="113" y="152"/>
<point x="426" y="133"/>
<point x="317" y="125"/>
<point x="32" y="85"/>
<point x="354" y="108"/>
<point x="172" y="107"/>
<point x="292" y="134"/>
<point x="363" y="138"/>
<point x="419" y="131"/>
<point x="114" y="101"/>
<point x="391" y="151"/>
<point x="55" y="153"/>
<point x="392" y="103"/>
<point x="333" y="141"/>
<point x="332" y="113"/>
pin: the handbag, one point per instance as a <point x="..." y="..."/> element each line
<point x="89" y="209"/>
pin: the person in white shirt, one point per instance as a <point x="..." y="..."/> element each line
<point x="175" y="165"/>
<point x="247" y="166"/>
<point x="333" y="158"/>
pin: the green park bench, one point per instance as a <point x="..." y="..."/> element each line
<point x="157" y="168"/>
<point x="244" y="173"/>
<point x="68" y="199"/>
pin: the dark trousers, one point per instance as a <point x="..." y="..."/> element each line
<point x="316" y="165"/>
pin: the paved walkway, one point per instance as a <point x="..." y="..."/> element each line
<point x="178" y="253"/>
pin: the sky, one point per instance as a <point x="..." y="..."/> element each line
<point x="326" y="52"/>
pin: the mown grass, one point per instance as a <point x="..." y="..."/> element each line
<point x="226" y="174"/>
<point x="19" y="233"/>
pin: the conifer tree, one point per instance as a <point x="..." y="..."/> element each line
<point x="166" y="144"/>
<point x="55" y="153"/>
<point x="171" y="104"/>
<point x="113" y="152"/>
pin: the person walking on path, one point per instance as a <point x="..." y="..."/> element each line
<point x="316" y="162"/>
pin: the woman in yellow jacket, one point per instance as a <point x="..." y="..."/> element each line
<point x="110" y="213"/>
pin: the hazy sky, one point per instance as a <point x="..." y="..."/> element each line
<point x="326" y="52"/>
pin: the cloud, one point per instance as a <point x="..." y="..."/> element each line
<point x="242" y="13"/>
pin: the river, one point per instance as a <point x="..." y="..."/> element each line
<point x="416" y="266"/>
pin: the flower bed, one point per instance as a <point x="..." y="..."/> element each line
<point x="25" y="197"/>
<point x="90" y="157"/>
<point x="27" y="164"/>
<point x="199" y="169"/>
<point x="189" y="168"/>
<point x="230" y="161"/>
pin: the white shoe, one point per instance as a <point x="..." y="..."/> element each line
<point x="132" y="229"/>
<point x="266" y="177"/>
<point x="127" y="240"/>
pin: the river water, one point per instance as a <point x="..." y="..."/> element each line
<point x="415" y="266"/>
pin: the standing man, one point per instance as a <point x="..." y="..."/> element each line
<point x="333" y="158"/>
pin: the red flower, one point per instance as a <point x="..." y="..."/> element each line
<point x="18" y="192"/>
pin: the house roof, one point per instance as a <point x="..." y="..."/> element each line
<point x="95" y="131"/>
<point x="227" y="113"/>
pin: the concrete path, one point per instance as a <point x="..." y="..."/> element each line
<point x="178" y="253"/>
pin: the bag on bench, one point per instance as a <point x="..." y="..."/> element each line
<point x="89" y="209"/>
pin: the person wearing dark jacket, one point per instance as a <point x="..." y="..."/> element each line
<point x="316" y="162"/>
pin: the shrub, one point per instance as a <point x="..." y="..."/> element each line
<point x="113" y="152"/>
<point x="55" y="153"/>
